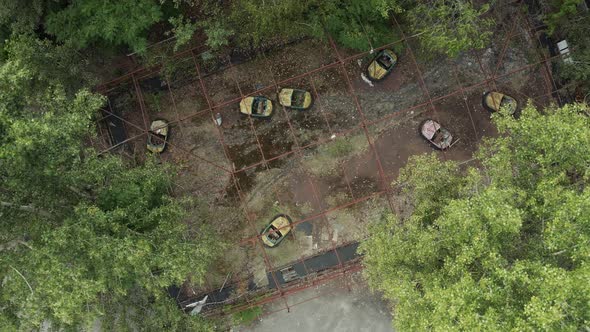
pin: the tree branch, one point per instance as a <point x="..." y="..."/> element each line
<point x="26" y="208"/>
<point x="22" y="276"/>
<point x="12" y="244"/>
<point x="559" y="252"/>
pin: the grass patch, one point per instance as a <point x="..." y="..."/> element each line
<point x="154" y="101"/>
<point x="325" y="160"/>
<point x="338" y="199"/>
<point x="339" y="148"/>
<point x="247" y="316"/>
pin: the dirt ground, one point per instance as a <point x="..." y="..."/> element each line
<point x="345" y="150"/>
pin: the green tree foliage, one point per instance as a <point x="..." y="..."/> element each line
<point x="31" y="65"/>
<point x="442" y="26"/>
<point x="503" y="246"/>
<point x="116" y="22"/>
<point x="21" y="16"/>
<point x="84" y="236"/>
<point x="353" y="23"/>
<point x="564" y="9"/>
<point x="449" y="27"/>
<point x="218" y="34"/>
<point x="260" y="20"/>
<point x="183" y="29"/>
<point x="359" y="24"/>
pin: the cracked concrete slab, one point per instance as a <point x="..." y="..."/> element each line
<point x="334" y="308"/>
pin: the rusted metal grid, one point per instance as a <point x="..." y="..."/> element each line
<point x="468" y="91"/>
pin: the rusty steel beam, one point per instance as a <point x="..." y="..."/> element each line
<point x="505" y="47"/>
<point x="318" y="281"/>
<point x="421" y="78"/>
<point x="139" y="97"/>
<point x="362" y="125"/>
<point x="546" y="65"/>
<point x="455" y="74"/>
<point x="241" y="197"/>
<point x="103" y="87"/>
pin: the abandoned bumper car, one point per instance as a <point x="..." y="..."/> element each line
<point x="436" y="134"/>
<point x="276" y="231"/>
<point x="494" y="101"/>
<point x="157" y="136"/>
<point x="295" y="99"/>
<point x="381" y="65"/>
<point x="256" y="106"/>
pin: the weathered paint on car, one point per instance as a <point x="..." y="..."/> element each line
<point x="158" y="136"/>
<point x="247" y="106"/>
<point x="438" y="136"/>
<point x="494" y="101"/>
<point x="286" y="97"/>
<point x="381" y="65"/>
<point x="276" y="230"/>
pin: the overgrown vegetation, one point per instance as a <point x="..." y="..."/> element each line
<point x="329" y="157"/>
<point x="567" y="20"/>
<point x="247" y="317"/>
<point x="450" y="27"/>
<point x="442" y="26"/>
<point x="502" y="247"/>
<point x="445" y="27"/>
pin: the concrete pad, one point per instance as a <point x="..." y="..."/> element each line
<point x="337" y="309"/>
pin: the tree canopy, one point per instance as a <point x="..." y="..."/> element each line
<point x="84" y="236"/>
<point x="442" y="26"/>
<point x="114" y="21"/>
<point x="449" y="27"/>
<point x="501" y="246"/>
<point x="446" y="27"/>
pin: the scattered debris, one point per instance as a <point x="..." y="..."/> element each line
<point x="198" y="306"/>
<point x="368" y="81"/>
<point x="455" y="142"/>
